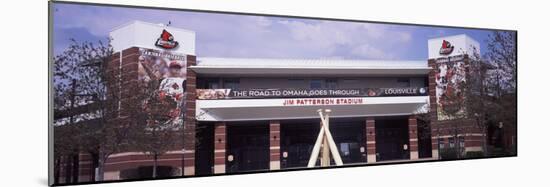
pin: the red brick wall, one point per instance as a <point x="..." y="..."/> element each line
<point x="413" y="137"/>
<point x="219" y="147"/>
<point x="371" y="139"/>
<point x="274" y="145"/>
<point x="123" y="80"/>
<point x="190" y="122"/>
<point x="86" y="168"/>
<point x="132" y="160"/>
<point x="445" y="128"/>
<point x="128" y="74"/>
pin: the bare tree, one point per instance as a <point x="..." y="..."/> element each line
<point x="160" y="131"/>
<point x="501" y="53"/>
<point x="475" y="91"/>
<point x="502" y="79"/>
<point x="491" y="86"/>
<point x="488" y="90"/>
<point x="64" y="149"/>
<point x="160" y="119"/>
<point x="81" y="73"/>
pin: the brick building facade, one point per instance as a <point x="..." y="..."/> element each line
<point x="234" y="135"/>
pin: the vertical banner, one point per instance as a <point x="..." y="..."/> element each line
<point x="161" y="75"/>
<point x="450" y="75"/>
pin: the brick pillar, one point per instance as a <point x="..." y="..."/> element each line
<point x="190" y="122"/>
<point x="274" y="145"/>
<point x="219" y="147"/>
<point x="128" y="73"/>
<point x="371" y="140"/>
<point x="86" y="169"/>
<point x="433" y="109"/>
<point x="413" y="137"/>
<point x="474" y="141"/>
<point x="435" y="142"/>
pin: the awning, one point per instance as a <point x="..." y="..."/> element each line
<point x="308" y="67"/>
<point x="304" y="108"/>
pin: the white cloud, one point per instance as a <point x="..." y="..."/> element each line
<point x="367" y="51"/>
<point x="321" y="35"/>
<point x="255" y="36"/>
<point x="364" y="40"/>
<point x="405" y="36"/>
<point x="261" y="21"/>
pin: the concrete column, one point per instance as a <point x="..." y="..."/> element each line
<point x="274" y="145"/>
<point x="219" y="147"/>
<point x="190" y="122"/>
<point x="413" y="137"/>
<point x="371" y="140"/>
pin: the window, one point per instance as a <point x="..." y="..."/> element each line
<point x="212" y="83"/>
<point x="441" y="143"/>
<point x="451" y="142"/>
<point x="231" y="83"/>
<point x="348" y="81"/>
<point x="404" y="82"/>
<point x="208" y="83"/>
<point x="296" y="83"/>
<point x="331" y="83"/>
<point x="316" y="84"/>
<point x="344" y="149"/>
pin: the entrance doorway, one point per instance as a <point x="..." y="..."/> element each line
<point x="298" y="138"/>
<point x="392" y="139"/>
<point x="350" y="137"/>
<point x="204" y="151"/>
<point x="248" y="146"/>
<point x="424" y="139"/>
<point x="297" y="141"/>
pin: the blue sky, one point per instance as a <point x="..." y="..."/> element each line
<point x="227" y="35"/>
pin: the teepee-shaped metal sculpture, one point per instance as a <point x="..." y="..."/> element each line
<point x="325" y="141"/>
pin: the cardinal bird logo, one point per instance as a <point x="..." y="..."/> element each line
<point x="446" y="48"/>
<point x="371" y="93"/>
<point x="175" y="86"/>
<point x="166" y="40"/>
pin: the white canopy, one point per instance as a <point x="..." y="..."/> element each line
<point x="303" y="108"/>
<point x="308" y="67"/>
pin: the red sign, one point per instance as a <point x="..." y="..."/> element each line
<point x="446" y="48"/>
<point x="166" y="41"/>
<point x="323" y="101"/>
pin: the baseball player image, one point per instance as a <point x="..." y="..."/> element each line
<point x="173" y="87"/>
<point x="170" y="88"/>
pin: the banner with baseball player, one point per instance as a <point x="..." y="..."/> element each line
<point x="162" y="77"/>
